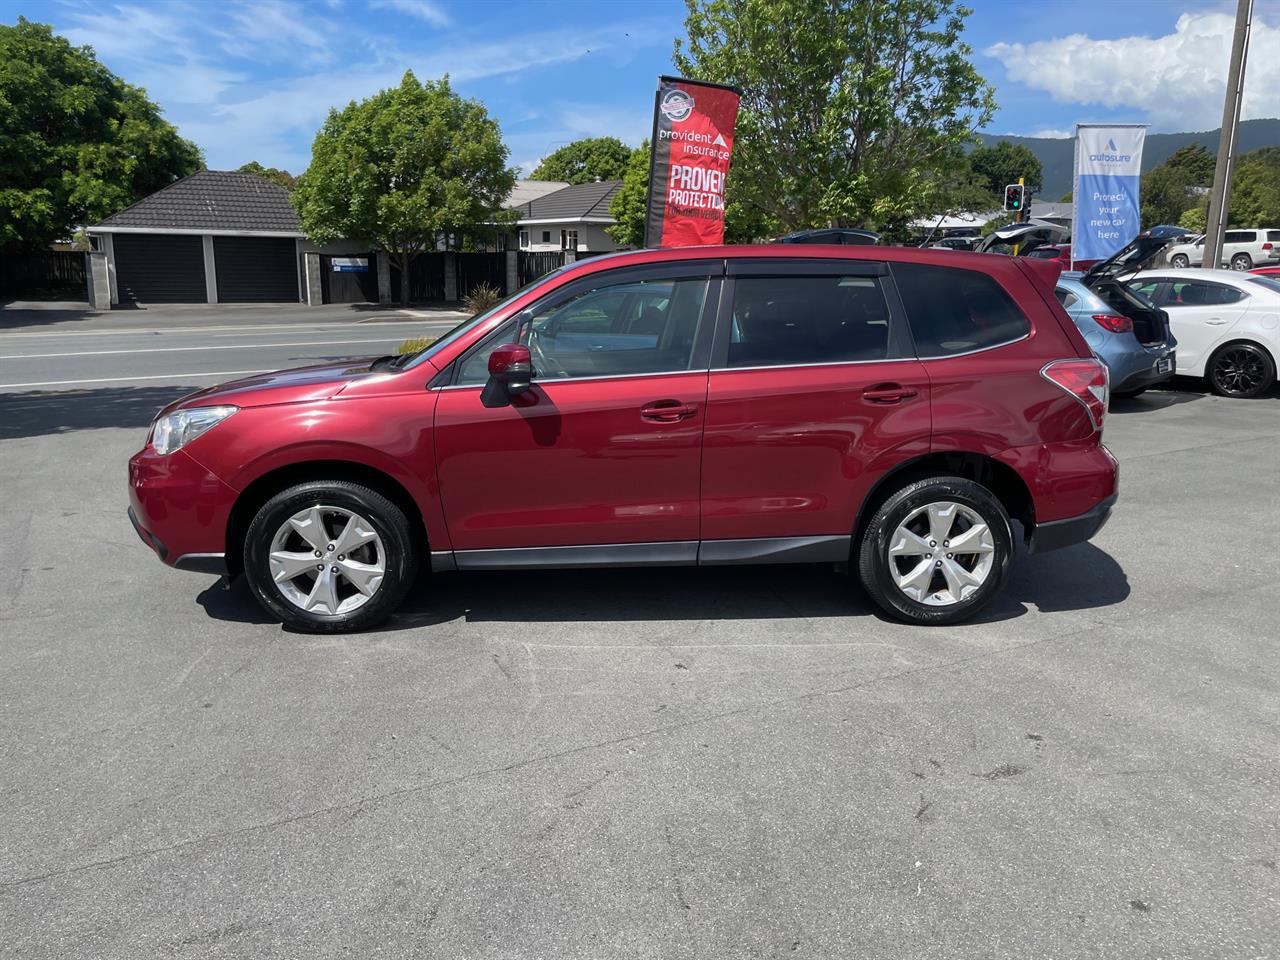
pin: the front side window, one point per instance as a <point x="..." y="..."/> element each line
<point x="781" y="321"/>
<point x="953" y="311"/>
<point x="615" y="329"/>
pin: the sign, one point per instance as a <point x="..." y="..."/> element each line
<point x="1105" y="201"/>
<point x="350" y="264"/>
<point x="689" y="161"/>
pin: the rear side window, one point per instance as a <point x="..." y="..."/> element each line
<point x="798" y="320"/>
<point x="1197" y="293"/>
<point x="1239" y="236"/>
<point x="955" y="311"/>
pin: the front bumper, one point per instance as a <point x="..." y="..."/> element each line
<point x="1056" y="534"/>
<point x="180" y="510"/>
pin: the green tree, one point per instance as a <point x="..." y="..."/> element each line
<point x="848" y="106"/>
<point x="1255" y="189"/>
<point x="1169" y="188"/>
<point x="629" y="204"/>
<point x="406" y="170"/>
<point x="282" y="177"/>
<point x="1000" y="165"/>
<point x="586" y="161"/>
<point x="77" y="143"/>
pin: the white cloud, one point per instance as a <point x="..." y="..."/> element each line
<point x="423" y="10"/>
<point x="1178" y="80"/>
<point x="1047" y="133"/>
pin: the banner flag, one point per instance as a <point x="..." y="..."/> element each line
<point x="1105" y="200"/>
<point x="689" y="160"/>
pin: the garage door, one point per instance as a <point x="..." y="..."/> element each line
<point x="159" y="268"/>
<point x="256" y="269"/>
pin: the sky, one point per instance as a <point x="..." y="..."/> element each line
<point x="254" y="79"/>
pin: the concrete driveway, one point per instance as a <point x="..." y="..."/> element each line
<point x="663" y="763"/>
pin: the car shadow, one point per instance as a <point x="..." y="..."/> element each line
<point x="38" y="413"/>
<point x="1079" y="578"/>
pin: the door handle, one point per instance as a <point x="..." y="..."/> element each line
<point x="1215" y="321"/>
<point x="667" y="411"/>
<point x="889" y="393"/>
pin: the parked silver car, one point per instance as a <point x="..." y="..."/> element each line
<point x="1241" y="250"/>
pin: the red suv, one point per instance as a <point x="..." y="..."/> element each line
<point x="892" y="408"/>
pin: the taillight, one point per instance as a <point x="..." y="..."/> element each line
<point x="1085" y="379"/>
<point x="1114" y="323"/>
<point x="1266" y="246"/>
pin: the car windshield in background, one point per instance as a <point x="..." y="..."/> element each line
<point x="1271" y="283"/>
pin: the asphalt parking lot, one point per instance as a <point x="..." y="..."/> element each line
<point x="742" y="762"/>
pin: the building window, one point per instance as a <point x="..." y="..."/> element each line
<point x="568" y="239"/>
<point x="524" y="238"/>
<point x="546" y="236"/>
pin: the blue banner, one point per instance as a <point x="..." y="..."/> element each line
<point x="1108" y="169"/>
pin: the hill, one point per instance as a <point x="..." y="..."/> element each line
<point x="1057" y="156"/>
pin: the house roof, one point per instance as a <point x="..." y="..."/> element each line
<point x="211" y="200"/>
<point x="584" y="201"/>
<point x="526" y="190"/>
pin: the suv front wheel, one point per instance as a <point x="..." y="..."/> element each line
<point x="936" y="551"/>
<point x="330" y="556"/>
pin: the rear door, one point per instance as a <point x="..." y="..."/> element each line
<point x="813" y="388"/>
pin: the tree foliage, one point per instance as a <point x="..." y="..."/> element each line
<point x="282" y="177"/>
<point x="586" y="161"/>
<point x="1255" y="190"/>
<point x="1169" y="188"/>
<point x="406" y="170"/>
<point x="849" y="107"/>
<point x="628" y="205"/>
<point x="77" y="143"/>
<point x="1000" y="165"/>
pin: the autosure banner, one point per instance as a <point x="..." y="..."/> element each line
<point x="691" y="148"/>
<point x="1105" y="199"/>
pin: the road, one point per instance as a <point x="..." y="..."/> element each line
<point x="665" y="763"/>
<point x="173" y="349"/>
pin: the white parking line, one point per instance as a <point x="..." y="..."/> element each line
<point x="59" y="334"/>
<point x="229" y="346"/>
<point x="158" y="376"/>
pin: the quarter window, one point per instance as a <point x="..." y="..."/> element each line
<point x="613" y="330"/>
<point x="954" y="311"/>
<point x="798" y="320"/>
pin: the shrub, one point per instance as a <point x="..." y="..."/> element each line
<point x="415" y="344"/>
<point x="482" y="298"/>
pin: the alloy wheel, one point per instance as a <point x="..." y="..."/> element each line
<point x="1239" y="370"/>
<point x="1241" y="261"/>
<point x="941" y="554"/>
<point x="327" y="560"/>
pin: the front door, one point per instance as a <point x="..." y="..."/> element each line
<point x="602" y="454"/>
<point x="813" y="383"/>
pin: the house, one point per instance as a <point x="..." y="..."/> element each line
<point x="571" y="218"/>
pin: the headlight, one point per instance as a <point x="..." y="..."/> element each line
<point x="179" y="428"/>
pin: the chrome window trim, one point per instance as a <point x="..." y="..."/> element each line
<point x="603" y="376"/>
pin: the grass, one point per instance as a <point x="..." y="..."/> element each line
<point x="415" y="344"/>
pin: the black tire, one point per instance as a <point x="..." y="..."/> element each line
<point x="1242" y="261"/>
<point x="1241" y="370"/>
<point x="396" y="541"/>
<point x="874" y="563"/>
<point x="1128" y="394"/>
<point x="1180" y="261"/>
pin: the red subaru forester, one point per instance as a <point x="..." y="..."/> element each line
<point x="892" y="408"/>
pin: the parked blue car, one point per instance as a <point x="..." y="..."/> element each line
<point x="1126" y="331"/>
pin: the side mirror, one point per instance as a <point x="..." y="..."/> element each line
<point x="510" y="374"/>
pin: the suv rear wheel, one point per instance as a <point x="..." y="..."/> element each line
<point x="937" y="551"/>
<point x="330" y="556"/>
<point x="1242" y="261"/>
<point x="1180" y="261"/>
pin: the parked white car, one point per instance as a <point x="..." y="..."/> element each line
<point x="1227" y="324"/>
<point x="1241" y="250"/>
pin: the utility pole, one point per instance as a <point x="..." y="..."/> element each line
<point x="1220" y="195"/>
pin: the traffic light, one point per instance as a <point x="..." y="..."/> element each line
<point x="1013" y="195"/>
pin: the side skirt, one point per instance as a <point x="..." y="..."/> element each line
<point x="683" y="553"/>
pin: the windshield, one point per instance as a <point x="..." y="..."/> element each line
<point x="413" y="359"/>
<point x="1271" y="283"/>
